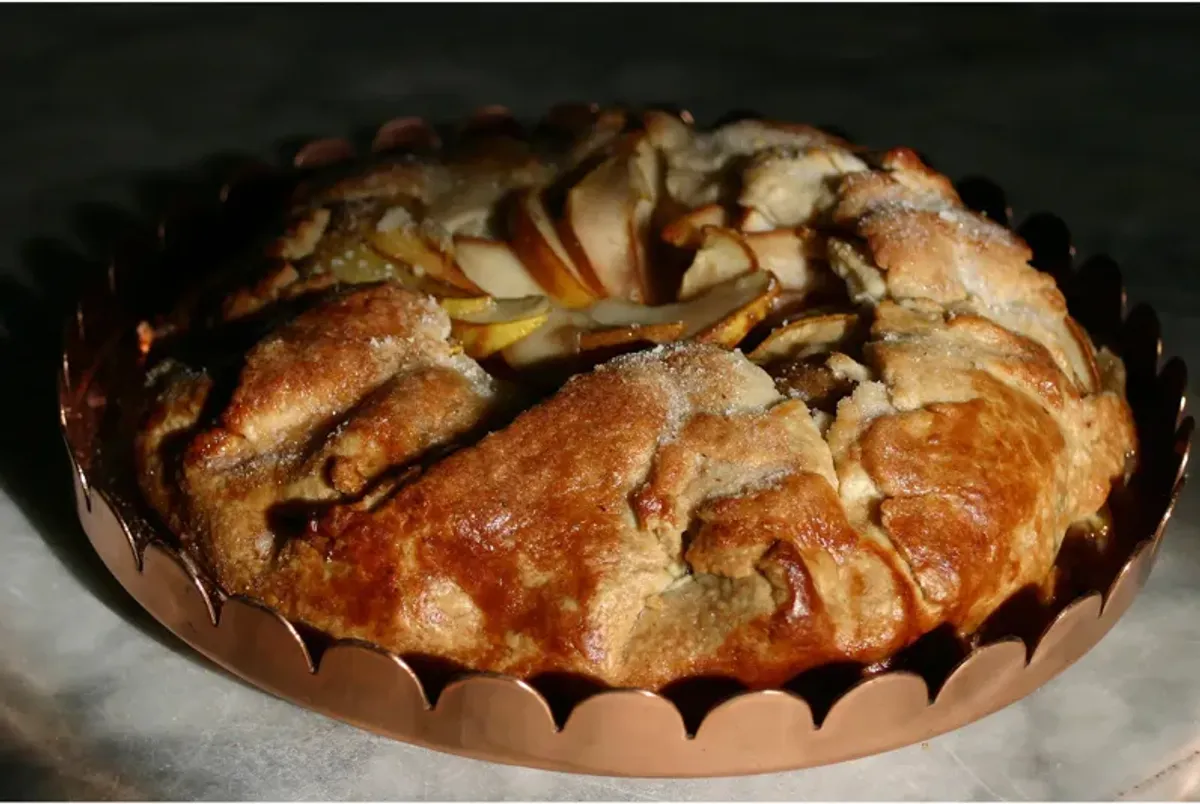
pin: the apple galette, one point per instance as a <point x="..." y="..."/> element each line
<point x="632" y="400"/>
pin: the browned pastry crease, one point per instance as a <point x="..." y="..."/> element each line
<point x="304" y="423"/>
<point x="681" y="510"/>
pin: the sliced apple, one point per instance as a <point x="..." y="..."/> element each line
<point x="556" y="339"/>
<point x="687" y="231"/>
<point x="398" y="237"/>
<point x="537" y="245"/>
<point x="807" y="336"/>
<point x="787" y="187"/>
<point x="503" y="322"/>
<point x="738" y="298"/>
<point x="627" y="334"/>
<point x="644" y="179"/>
<point x="347" y="258"/>
<point x="788" y="254"/>
<point x="351" y="261"/>
<point x="864" y="281"/>
<point x="408" y="247"/>
<point x="751" y="220"/>
<point x="493" y="267"/>
<point x="748" y="300"/>
<point x="606" y="220"/>
<point x="723" y="256"/>
<point x="504" y="310"/>
<point x="460" y="306"/>
<point x="723" y="315"/>
<point x="570" y="334"/>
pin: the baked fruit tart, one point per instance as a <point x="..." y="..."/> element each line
<point x="630" y="400"/>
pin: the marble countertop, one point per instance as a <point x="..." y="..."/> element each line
<point x="106" y="108"/>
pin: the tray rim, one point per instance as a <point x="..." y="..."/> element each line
<point x="168" y="586"/>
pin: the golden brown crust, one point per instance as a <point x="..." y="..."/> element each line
<point x="960" y="482"/>
<point x="317" y="366"/>
<point x="307" y="395"/>
<point x="908" y="458"/>
<point x="166" y="432"/>
<point x="399" y="420"/>
<point x="498" y="522"/>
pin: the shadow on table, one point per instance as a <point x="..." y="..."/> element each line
<point x="34" y="470"/>
<point x="59" y="747"/>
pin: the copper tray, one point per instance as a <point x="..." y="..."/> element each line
<point x="704" y="728"/>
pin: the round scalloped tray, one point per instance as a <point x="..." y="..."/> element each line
<point x="701" y="729"/>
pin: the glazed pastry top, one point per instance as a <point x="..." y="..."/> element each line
<point x="639" y="402"/>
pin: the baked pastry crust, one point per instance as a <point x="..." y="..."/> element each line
<point x="917" y="427"/>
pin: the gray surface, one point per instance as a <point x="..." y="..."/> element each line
<point x="1091" y="116"/>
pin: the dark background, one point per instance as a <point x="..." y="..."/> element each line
<point x="1091" y="112"/>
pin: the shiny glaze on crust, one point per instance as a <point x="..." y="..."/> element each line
<point x="675" y="512"/>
